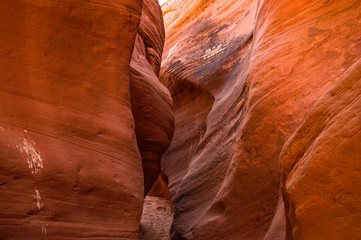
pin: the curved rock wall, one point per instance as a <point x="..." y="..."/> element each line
<point x="151" y="101"/>
<point x="70" y="164"/>
<point x="247" y="77"/>
<point x="320" y="165"/>
<point x="266" y="118"/>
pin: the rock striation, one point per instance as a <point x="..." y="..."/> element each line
<point x="75" y="78"/>
<point x="151" y="101"/>
<point x="320" y="165"/>
<point x="261" y="97"/>
<point x="267" y="118"/>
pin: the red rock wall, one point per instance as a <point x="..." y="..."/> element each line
<point x="321" y="168"/>
<point x="252" y="81"/>
<point x="70" y="164"/>
<point x="151" y="100"/>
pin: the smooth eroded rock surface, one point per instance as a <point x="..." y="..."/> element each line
<point x="70" y="163"/>
<point x="244" y="76"/>
<point x="321" y="168"/>
<point x="151" y="101"/>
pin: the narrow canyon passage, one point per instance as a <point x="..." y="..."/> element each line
<point x="197" y="120"/>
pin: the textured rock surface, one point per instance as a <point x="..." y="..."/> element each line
<point x="156" y="218"/>
<point x="151" y="101"/>
<point x="70" y="164"/>
<point x="321" y="165"/>
<point x="245" y="76"/>
<point x="267" y="119"/>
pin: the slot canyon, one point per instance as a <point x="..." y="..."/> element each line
<point x="194" y="120"/>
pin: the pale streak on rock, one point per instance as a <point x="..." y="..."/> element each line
<point x="43" y="228"/>
<point x="211" y="52"/>
<point x="33" y="159"/>
<point x="38" y="198"/>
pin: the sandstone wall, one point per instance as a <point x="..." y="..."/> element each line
<point x="70" y="163"/>
<point x="253" y="80"/>
<point x="150" y="99"/>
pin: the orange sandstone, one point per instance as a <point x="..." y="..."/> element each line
<point x="70" y="163"/>
<point x="264" y="89"/>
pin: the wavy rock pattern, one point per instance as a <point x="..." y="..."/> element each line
<point x="70" y="163"/>
<point x="266" y="122"/>
<point x="320" y="165"/>
<point x="245" y="77"/>
<point x="151" y="101"/>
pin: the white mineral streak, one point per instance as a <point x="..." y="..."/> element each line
<point x="213" y="51"/>
<point x="38" y="199"/>
<point x="171" y="51"/>
<point x="35" y="163"/>
<point x="34" y="159"/>
<point x="43" y="228"/>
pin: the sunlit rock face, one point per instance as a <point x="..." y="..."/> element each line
<point x="321" y="165"/>
<point x="267" y="114"/>
<point x="70" y="163"/>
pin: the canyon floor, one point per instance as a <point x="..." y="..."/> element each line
<point x="156" y="219"/>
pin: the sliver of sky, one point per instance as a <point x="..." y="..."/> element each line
<point x="162" y="1"/>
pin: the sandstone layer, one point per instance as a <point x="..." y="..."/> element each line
<point x="264" y="89"/>
<point x="70" y="163"/>
<point x="151" y="101"/>
<point x="321" y="165"/>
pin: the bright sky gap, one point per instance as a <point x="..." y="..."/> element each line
<point x="162" y="1"/>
